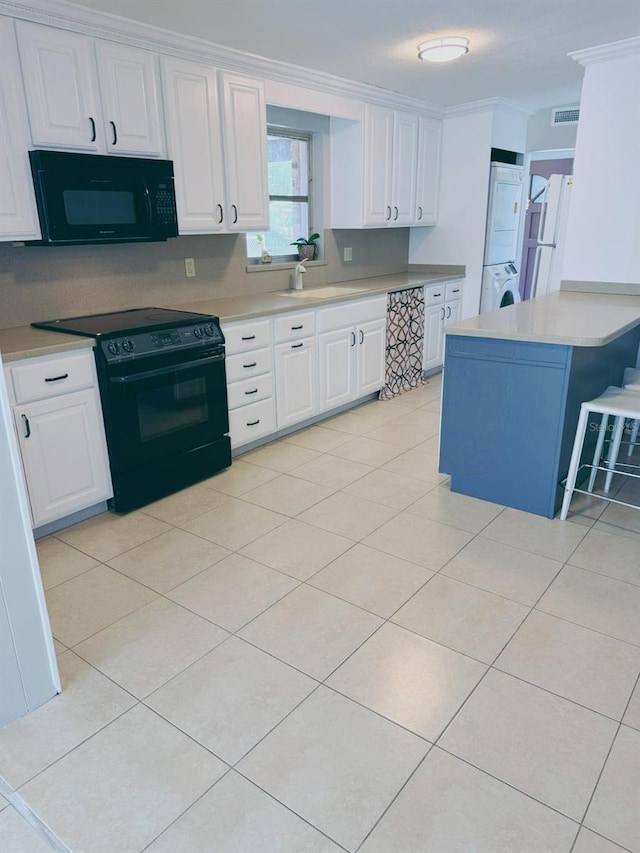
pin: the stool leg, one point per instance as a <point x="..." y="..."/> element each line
<point x="614" y="450"/>
<point x="634" y="437"/>
<point x="598" y="453"/>
<point x="576" y="453"/>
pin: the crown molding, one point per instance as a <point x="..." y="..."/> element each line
<point x="607" y="52"/>
<point x="70" y="16"/>
<point x="488" y="104"/>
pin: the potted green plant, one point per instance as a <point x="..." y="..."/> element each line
<point x="307" y="249"/>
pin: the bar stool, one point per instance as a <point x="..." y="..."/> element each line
<point x="621" y="404"/>
<point x="631" y="381"/>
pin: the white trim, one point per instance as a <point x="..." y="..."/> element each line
<point x="487" y="104"/>
<point x="69" y="16"/>
<point x="606" y="52"/>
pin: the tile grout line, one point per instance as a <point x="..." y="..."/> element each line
<point x="25" y="811"/>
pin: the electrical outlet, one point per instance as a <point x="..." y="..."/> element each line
<point x="189" y="267"/>
<point x="348" y="254"/>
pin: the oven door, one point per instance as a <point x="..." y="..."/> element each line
<point x="164" y="408"/>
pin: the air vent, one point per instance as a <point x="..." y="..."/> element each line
<point x="565" y="115"/>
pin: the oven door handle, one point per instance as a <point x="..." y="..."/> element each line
<point x="148" y="374"/>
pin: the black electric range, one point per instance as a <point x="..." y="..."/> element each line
<point x="162" y="381"/>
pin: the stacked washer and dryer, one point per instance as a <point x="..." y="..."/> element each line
<point x="499" y="272"/>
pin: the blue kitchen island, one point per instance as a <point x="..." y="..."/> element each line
<point x="513" y="383"/>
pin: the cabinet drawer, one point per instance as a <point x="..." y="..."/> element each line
<point x="352" y="313"/>
<point x="50" y="377"/>
<point x="453" y="290"/>
<point x="435" y="294"/>
<point x="248" y="364"/>
<point x="241" y="337"/>
<point x="293" y="326"/>
<point x="251" y="422"/>
<point x="250" y="390"/>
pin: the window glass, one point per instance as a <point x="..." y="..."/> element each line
<point x="289" y="157"/>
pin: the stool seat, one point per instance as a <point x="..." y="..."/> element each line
<point x="619" y="403"/>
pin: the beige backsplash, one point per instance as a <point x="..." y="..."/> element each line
<point x="42" y="283"/>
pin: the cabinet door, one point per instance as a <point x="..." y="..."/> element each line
<point x="434" y="316"/>
<point x="378" y="165"/>
<point x="64" y="454"/>
<point x="452" y="311"/>
<point x="405" y="160"/>
<point x="194" y="139"/>
<point x="372" y="340"/>
<point x="245" y="153"/>
<point x="337" y="368"/>
<point x="60" y="83"/>
<point x="18" y="215"/>
<point x="130" y="90"/>
<point x="295" y="381"/>
<point x="429" y="142"/>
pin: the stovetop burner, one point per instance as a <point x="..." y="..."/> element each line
<point x="124" y="336"/>
<point x="119" y="322"/>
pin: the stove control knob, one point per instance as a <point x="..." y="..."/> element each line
<point x="198" y="332"/>
<point x="128" y="345"/>
<point x="208" y="330"/>
<point x="113" y="347"/>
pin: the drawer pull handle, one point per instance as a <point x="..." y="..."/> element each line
<point x="388" y="216"/>
<point x="235" y="213"/>
<point x="420" y="213"/>
<point x="255" y="391"/>
<point x="353" y="339"/>
<point x="295" y="328"/>
<point x="27" y="426"/>
<point x="221" y="214"/>
<point x="297" y="346"/>
<point x="448" y="311"/>
<point x="56" y="378"/>
<point x="436" y="294"/>
<point x="442" y="318"/>
<point x="248" y="337"/>
<point x="396" y="213"/>
<point x="115" y="132"/>
<point x="253" y="423"/>
<point x="253" y="364"/>
<point x="456" y="290"/>
<point x="93" y="129"/>
<point x="361" y="336"/>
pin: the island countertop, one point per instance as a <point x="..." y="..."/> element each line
<point x="569" y="318"/>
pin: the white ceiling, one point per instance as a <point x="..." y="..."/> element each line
<point x="518" y="47"/>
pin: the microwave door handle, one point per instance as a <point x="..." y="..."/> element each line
<point x="174" y="368"/>
<point x="147" y="196"/>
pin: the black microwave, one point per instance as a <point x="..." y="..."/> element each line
<point x="95" y="199"/>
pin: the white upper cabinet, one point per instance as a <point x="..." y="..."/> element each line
<point x="194" y="141"/>
<point x="61" y="86"/>
<point x="130" y="90"/>
<point x="18" y="214"/>
<point x="61" y="71"/>
<point x="427" y="187"/>
<point x="374" y="169"/>
<point x="378" y="165"/>
<point x="245" y="152"/>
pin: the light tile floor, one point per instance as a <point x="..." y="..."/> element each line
<point x="323" y="648"/>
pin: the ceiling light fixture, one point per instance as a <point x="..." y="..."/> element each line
<point x="443" y="49"/>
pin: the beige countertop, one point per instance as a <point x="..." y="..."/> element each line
<point x="25" y="342"/>
<point x="572" y="319"/>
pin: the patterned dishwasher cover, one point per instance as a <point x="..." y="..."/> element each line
<point x="405" y="338"/>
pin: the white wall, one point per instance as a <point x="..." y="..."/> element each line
<point x="542" y="136"/>
<point x="603" y="232"/>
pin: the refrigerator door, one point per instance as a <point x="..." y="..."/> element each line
<point x="544" y="278"/>
<point x="549" y="215"/>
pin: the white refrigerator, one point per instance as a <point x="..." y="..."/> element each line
<point x="547" y="267"/>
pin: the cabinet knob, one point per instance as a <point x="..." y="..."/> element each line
<point x="115" y="133"/>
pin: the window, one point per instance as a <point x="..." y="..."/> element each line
<point x="289" y="156"/>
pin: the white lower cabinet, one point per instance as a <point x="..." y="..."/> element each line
<point x="443" y="305"/>
<point x="351" y="351"/>
<point x="61" y="434"/>
<point x="249" y="366"/>
<point x="296" y="369"/>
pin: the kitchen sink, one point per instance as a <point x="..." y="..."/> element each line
<point x="324" y="292"/>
